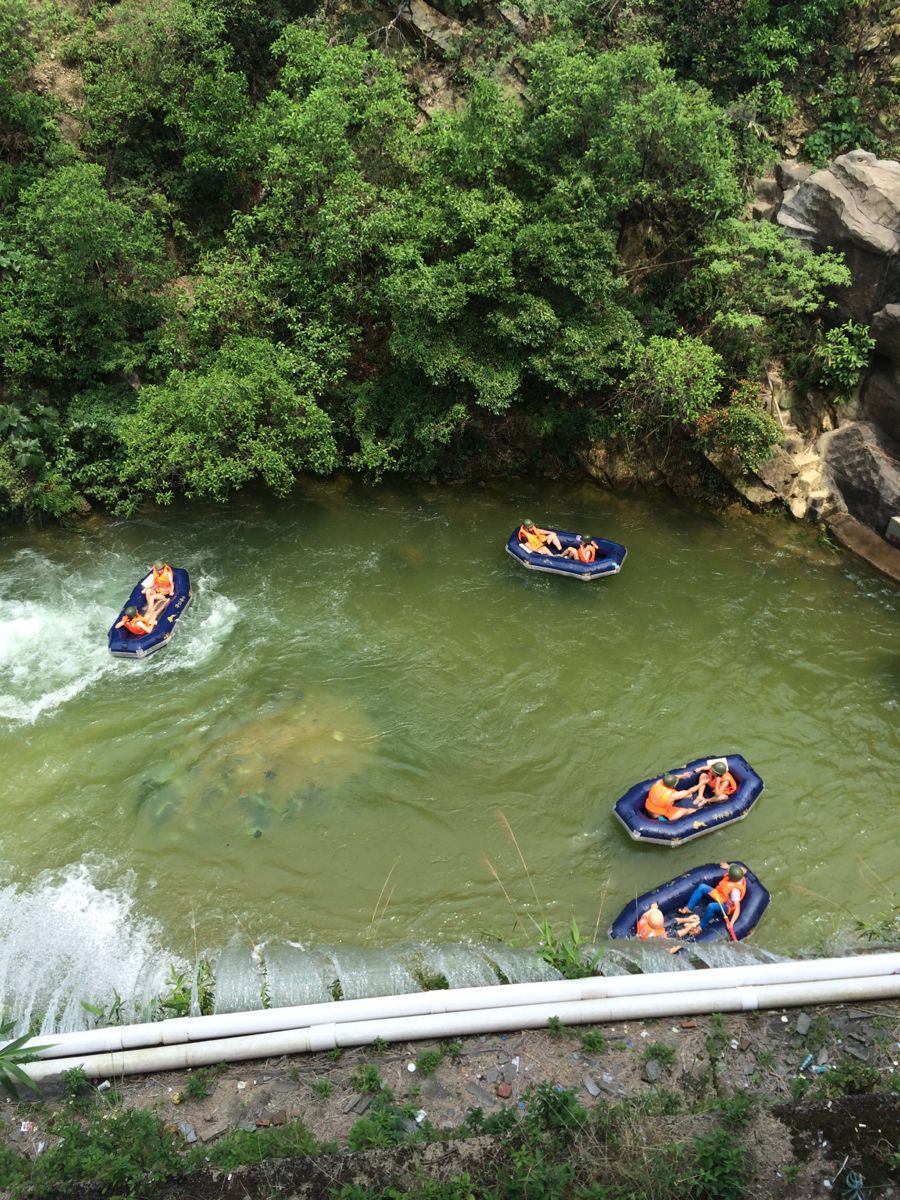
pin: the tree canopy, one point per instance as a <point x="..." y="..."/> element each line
<point x="257" y="256"/>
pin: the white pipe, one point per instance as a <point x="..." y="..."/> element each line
<point x="438" y="1025"/>
<point x="597" y="987"/>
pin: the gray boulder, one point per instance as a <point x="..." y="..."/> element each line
<point x="852" y="206"/>
<point x="886" y="328"/>
<point x="865" y="470"/>
<point x="880" y="401"/>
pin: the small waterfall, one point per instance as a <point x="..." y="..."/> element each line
<point x="363" y="973"/>
<point x="238" y="977"/>
<point x="75" y="954"/>
<point x="67" y="943"/>
<point x="460" y="965"/>
<point x="297" y="976"/>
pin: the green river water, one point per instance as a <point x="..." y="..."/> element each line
<point x="367" y="685"/>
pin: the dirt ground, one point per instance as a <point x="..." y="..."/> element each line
<point x="800" y="1145"/>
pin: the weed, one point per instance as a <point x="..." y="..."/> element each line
<point x="76" y="1085"/>
<point x="429" y="1061"/>
<point x="176" y="1002"/>
<point x="799" y="1086"/>
<point x="336" y="990"/>
<point x="475" y="1122"/>
<point x="593" y="1042"/>
<point x="765" y="1059"/>
<point x="554" y="1109"/>
<point x="385" y="1124"/>
<point x="249" y="1146"/>
<point x="659" y="1051"/>
<point x="655" y="1102"/>
<point x="380" y="1045"/>
<point x="367" y="1080"/>
<point x="453" y="1051"/>
<point x="335" y="1054"/>
<point x="790" y="1172"/>
<point x="12" y="1056"/>
<point x="819" y="1035"/>
<point x="198" y="1084"/>
<point x="850" y="1078"/>
<point x="567" y="954"/>
<point x="717" y="1039"/>
<point x="556" y="1029"/>
<point x="734" y="1110"/>
<point x="720" y="1166"/>
<point x="414" y="1092"/>
<point x="431" y="981"/>
<point x="323" y="1088"/>
<point x="130" y="1151"/>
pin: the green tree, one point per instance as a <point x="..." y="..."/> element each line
<point x="670" y="385"/>
<point x="247" y="413"/>
<point x="84" y="298"/>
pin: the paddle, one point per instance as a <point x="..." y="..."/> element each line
<point x="728" y="924"/>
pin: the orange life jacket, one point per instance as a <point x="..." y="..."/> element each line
<point x="163" y="581"/>
<point x="723" y="889"/>
<point x="138" y="625"/>
<point x="660" y="800"/>
<point x="587" y="553"/>
<point x="645" y="929"/>
<point x="532" y="539"/>
<point x="723" y="785"/>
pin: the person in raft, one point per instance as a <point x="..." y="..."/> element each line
<point x="720" y="781"/>
<point x="652" y="923"/>
<point x="537" y="540"/>
<point x="135" y="622"/>
<point x="161" y="583"/>
<point x="661" y="798"/>
<point x="585" y="551"/>
<point x="724" y="901"/>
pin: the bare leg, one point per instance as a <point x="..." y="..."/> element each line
<point x="553" y="540"/>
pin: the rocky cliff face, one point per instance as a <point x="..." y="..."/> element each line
<point x="850" y="464"/>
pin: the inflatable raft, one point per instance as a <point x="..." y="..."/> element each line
<point x="610" y="556"/>
<point x="674" y="895"/>
<point x="645" y="828"/>
<point x="123" y="644"/>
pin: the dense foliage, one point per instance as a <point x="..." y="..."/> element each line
<point x="247" y="255"/>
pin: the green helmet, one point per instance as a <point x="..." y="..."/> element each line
<point x="131" y="611"/>
<point x="528" y="523"/>
<point x="670" y="780"/>
<point x="736" y="873"/>
<point x="158" y="566"/>
<point x="718" y="768"/>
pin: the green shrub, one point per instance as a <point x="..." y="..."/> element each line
<point x="720" y="1167"/>
<point x="429" y="1061"/>
<point x="660" y="1052"/>
<point x="250" y="1146"/>
<point x="367" y="1080"/>
<point x="593" y="1042"/>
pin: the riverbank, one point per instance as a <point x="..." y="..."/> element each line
<point x="758" y="1104"/>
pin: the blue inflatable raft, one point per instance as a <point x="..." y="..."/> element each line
<point x="610" y="556"/>
<point x="123" y="644"/>
<point x="645" y="828"/>
<point x="674" y="895"/>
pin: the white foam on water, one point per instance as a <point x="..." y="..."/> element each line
<point x="203" y="629"/>
<point x="66" y="940"/>
<point x="52" y="637"/>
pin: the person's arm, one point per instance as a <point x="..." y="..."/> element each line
<point x="736" y="901"/>
<point x="119" y="624"/>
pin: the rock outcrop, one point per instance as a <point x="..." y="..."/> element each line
<point x="853" y="206"/>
